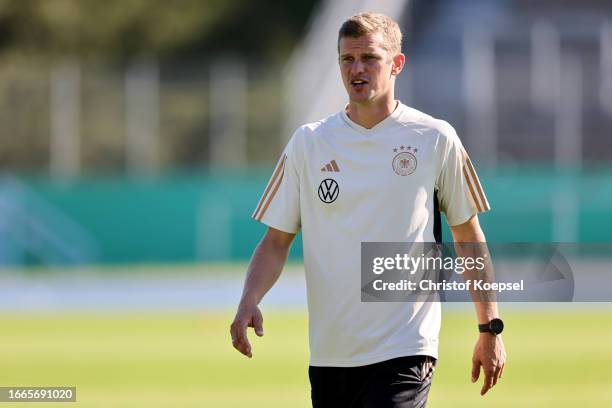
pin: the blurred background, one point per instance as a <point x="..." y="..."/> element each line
<point x="137" y="136"/>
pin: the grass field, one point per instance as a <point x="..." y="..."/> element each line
<point x="557" y="358"/>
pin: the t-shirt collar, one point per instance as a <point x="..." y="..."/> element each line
<point x="386" y="123"/>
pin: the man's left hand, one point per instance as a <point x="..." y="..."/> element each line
<point x="489" y="353"/>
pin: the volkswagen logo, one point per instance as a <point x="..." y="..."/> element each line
<point x="328" y="191"/>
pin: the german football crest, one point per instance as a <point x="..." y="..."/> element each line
<point x="405" y="162"/>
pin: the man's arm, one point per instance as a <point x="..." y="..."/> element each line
<point x="489" y="351"/>
<point x="264" y="269"/>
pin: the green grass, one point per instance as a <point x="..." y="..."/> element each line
<point x="555" y="359"/>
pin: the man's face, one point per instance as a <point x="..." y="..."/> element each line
<point x="367" y="68"/>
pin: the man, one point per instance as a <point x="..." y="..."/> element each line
<point x="371" y="172"/>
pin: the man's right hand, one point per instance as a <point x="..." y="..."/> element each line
<point x="246" y="316"/>
<point x="265" y="268"/>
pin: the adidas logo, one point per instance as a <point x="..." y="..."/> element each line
<point x="331" y="166"/>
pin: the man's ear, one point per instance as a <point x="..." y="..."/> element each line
<point x="398" y="64"/>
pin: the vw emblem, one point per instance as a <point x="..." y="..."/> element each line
<point x="328" y="191"/>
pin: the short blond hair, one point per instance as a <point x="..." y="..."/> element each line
<point x="369" y="23"/>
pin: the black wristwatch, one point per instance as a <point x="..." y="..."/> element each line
<point x="495" y="327"/>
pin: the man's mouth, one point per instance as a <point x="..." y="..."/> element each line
<point x="358" y="83"/>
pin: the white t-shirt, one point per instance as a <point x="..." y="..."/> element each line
<point x="343" y="184"/>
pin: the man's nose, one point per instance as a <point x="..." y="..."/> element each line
<point x="357" y="67"/>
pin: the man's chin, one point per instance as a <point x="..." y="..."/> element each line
<point x="360" y="98"/>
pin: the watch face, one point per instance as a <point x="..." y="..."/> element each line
<point x="496" y="326"/>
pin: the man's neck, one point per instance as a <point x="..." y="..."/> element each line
<point x="369" y="115"/>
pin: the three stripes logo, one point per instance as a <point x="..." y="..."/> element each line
<point x="329" y="191"/>
<point x="271" y="189"/>
<point x="331" y="166"/>
<point x="473" y="184"/>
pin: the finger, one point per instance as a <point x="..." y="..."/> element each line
<point x="496" y="375"/>
<point x="258" y="324"/>
<point x="488" y="381"/>
<point x="239" y="338"/>
<point x="234" y="330"/>
<point x="501" y="371"/>
<point x="475" y="370"/>
<point x="243" y="346"/>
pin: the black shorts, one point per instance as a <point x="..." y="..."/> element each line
<point x="402" y="382"/>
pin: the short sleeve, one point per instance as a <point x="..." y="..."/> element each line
<point x="279" y="205"/>
<point x="460" y="193"/>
